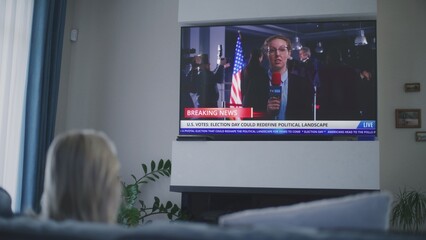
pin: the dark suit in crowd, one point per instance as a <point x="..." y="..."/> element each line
<point x="204" y="82"/>
<point x="255" y="85"/>
<point x="299" y="99"/>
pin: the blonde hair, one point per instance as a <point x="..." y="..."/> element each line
<point x="269" y="40"/>
<point x="82" y="178"/>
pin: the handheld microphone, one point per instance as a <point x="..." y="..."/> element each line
<point x="275" y="89"/>
<point x="219" y="53"/>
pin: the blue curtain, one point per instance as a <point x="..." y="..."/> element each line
<point x="42" y="94"/>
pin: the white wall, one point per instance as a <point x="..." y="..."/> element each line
<point x="272" y="165"/>
<point x="403" y="161"/>
<point x="122" y="74"/>
<point x="195" y="11"/>
<point x="122" y="77"/>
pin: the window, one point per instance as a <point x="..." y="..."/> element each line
<point x="15" y="36"/>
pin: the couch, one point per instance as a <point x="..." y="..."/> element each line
<point x="5" y="203"/>
<point x="22" y="228"/>
<point x="363" y="217"/>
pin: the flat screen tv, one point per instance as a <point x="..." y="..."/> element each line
<point x="221" y="100"/>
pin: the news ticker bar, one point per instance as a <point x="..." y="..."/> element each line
<point x="367" y="128"/>
<point x="319" y="132"/>
<point x="277" y="124"/>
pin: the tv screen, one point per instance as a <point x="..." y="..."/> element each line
<point x="279" y="81"/>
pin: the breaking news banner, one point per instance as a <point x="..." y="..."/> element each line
<point x="278" y="127"/>
<point x="218" y="113"/>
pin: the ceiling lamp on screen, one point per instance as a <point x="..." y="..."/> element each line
<point x="296" y="45"/>
<point x="319" y="48"/>
<point x="360" y="40"/>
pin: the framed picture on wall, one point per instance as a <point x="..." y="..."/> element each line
<point x="421" y="136"/>
<point x="407" y="118"/>
<point x="412" y="87"/>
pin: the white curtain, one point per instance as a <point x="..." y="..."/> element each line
<point x="15" y="36"/>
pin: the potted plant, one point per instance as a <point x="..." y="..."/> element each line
<point x="133" y="211"/>
<point x="409" y="211"/>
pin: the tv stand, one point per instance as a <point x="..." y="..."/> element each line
<point x="209" y="206"/>
<point x="193" y="138"/>
<point x="269" y="173"/>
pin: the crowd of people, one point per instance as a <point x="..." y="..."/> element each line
<point x="200" y="83"/>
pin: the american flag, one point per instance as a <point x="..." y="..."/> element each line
<point x="236" y="98"/>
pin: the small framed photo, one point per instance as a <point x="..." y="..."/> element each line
<point x="420" y="136"/>
<point x="408" y="118"/>
<point x="412" y="87"/>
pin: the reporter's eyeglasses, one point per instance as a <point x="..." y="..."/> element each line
<point x="280" y="50"/>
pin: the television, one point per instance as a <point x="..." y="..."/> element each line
<point x="341" y="80"/>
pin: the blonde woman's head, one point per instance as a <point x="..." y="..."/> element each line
<point x="82" y="178"/>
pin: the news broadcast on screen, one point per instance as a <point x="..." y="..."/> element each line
<point x="276" y="80"/>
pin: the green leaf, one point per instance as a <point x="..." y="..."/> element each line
<point x="169" y="204"/>
<point x="160" y="164"/>
<point x="151" y="178"/>
<point x="170" y="216"/>
<point x="142" y="203"/>
<point x="155" y="175"/>
<point x="132" y="216"/>
<point x="145" y="169"/>
<point x="174" y="209"/>
<point x="167" y="165"/>
<point x="134" y="178"/>
<point x="130" y="194"/>
<point x="155" y="206"/>
<point x="152" y="166"/>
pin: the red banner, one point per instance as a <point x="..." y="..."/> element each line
<point x="219" y="113"/>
